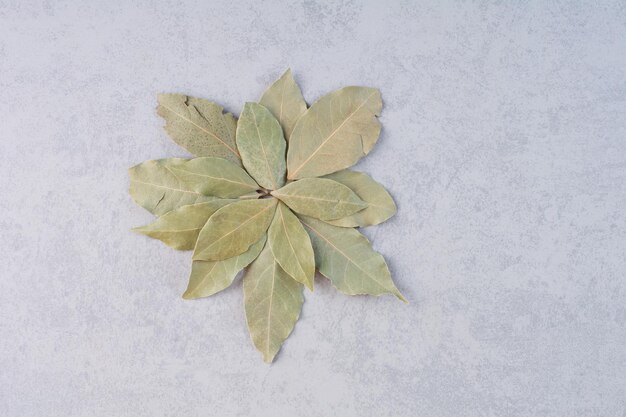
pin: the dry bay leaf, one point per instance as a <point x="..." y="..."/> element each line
<point x="180" y="227"/>
<point x="155" y="187"/>
<point x="335" y="132"/>
<point x="216" y="177"/>
<point x="233" y="229"/>
<point x="320" y="198"/>
<point x="210" y="277"/>
<point x="346" y="258"/>
<point x="262" y="146"/>
<point x="270" y="192"/>
<point x="284" y="99"/>
<point x="199" y="125"/>
<point x="380" y="205"/>
<point x="273" y="301"/>
<point x="291" y="246"/>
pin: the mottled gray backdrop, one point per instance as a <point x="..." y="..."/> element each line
<point x="504" y="145"/>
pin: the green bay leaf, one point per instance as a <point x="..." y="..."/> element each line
<point x="380" y="205"/>
<point x="321" y="198"/>
<point x="216" y="177"/>
<point x="346" y="257"/>
<point x="284" y="99"/>
<point x="180" y="227"/>
<point x="210" y="277"/>
<point x="262" y="146"/>
<point x="233" y="229"/>
<point x="199" y="125"/>
<point x="291" y="246"/>
<point x="273" y="301"/>
<point x="335" y="132"/>
<point x="155" y="186"/>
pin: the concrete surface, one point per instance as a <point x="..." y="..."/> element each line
<point x="504" y="145"/>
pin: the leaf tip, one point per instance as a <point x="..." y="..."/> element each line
<point x="401" y="297"/>
<point x="250" y="105"/>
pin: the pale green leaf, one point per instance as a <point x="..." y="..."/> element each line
<point x="346" y="257"/>
<point x="199" y="125"/>
<point x="273" y="301"/>
<point x="320" y="198"/>
<point x="335" y="132"/>
<point x="216" y="176"/>
<point x="291" y="246"/>
<point x="180" y="227"/>
<point x="284" y="99"/>
<point x="210" y="277"/>
<point x="380" y="205"/>
<point x="155" y="187"/>
<point x="233" y="229"/>
<point x="262" y="146"/>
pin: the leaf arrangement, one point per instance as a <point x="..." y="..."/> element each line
<point x="270" y="192"/>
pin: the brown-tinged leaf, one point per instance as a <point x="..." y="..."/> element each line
<point x="199" y="125"/>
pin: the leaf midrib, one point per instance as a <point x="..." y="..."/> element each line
<point x="252" y="187"/>
<point x="278" y="195"/>
<point x="267" y="162"/>
<point x="168" y="188"/>
<point x="269" y="310"/>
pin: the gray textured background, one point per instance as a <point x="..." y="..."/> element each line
<point x="504" y="145"/>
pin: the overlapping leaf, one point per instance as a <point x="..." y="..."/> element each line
<point x="346" y="257"/>
<point x="380" y="205"/>
<point x="321" y="198"/>
<point x="338" y="130"/>
<point x="215" y="176"/>
<point x="180" y="227"/>
<point x="210" y="277"/>
<point x="291" y="246"/>
<point x="233" y="229"/>
<point x="155" y="187"/>
<point x="262" y="145"/>
<point x="284" y="99"/>
<point x="272" y="300"/>
<point x="200" y="126"/>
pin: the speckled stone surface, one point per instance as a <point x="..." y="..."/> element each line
<point x="504" y="145"/>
